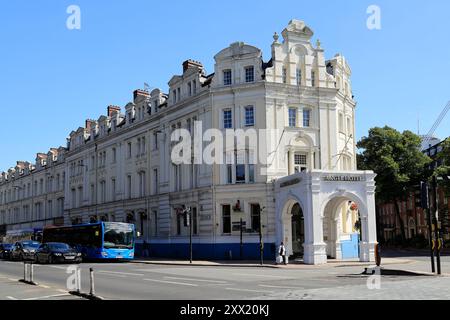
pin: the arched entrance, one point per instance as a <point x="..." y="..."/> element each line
<point x="294" y="230"/>
<point x="342" y="228"/>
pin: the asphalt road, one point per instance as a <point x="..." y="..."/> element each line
<point x="155" y="282"/>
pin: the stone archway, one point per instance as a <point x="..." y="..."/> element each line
<point x="342" y="227"/>
<point x="293" y="228"/>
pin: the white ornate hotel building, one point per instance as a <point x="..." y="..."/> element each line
<point x="309" y="194"/>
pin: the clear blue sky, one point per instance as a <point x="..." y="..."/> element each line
<point x="52" y="78"/>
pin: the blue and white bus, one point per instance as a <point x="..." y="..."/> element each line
<point x="101" y="240"/>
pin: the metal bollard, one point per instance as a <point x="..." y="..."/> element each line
<point x="78" y="280"/>
<point x="31" y="272"/>
<point x="24" y="271"/>
<point x="91" y="274"/>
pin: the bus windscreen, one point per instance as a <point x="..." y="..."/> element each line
<point x="118" y="236"/>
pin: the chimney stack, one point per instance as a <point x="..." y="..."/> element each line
<point x="89" y="124"/>
<point x="140" y="93"/>
<point x="112" y="110"/>
<point x="188" y="64"/>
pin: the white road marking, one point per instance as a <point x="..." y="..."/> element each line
<point x="61" y="290"/>
<point x="48" y="297"/>
<point x="121" y="273"/>
<point x="173" y="282"/>
<point x="199" y="280"/>
<point x="248" y="290"/>
<point x="11" y="298"/>
<point x="11" y="279"/>
<point x="279" y="287"/>
<point x="259" y="275"/>
<point x="58" y="267"/>
<point x="44" y="286"/>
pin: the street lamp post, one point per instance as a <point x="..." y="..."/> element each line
<point x="261" y="243"/>
<point x="425" y="204"/>
<point x="436" y="225"/>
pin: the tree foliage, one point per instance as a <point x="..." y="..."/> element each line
<point x="443" y="170"/>
<point x="397" y="160"/>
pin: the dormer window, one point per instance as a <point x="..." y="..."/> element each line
<point x="250" y="74"/>
<point x="227" y="77"/>
<point x="189" y="89"/>
<point x="313" y="78"/>
<point x="194" y="86"/>
<point x="174" y="96"/>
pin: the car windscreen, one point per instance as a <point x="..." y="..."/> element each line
<point x="7" y="246"/>
<point x="118" y="236"/>
<point x="58" y="246"/>
<point x="31" y="245"/>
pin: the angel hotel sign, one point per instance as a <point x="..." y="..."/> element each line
<point x="342" y="178"/>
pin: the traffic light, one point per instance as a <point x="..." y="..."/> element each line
<point x="424" y="200"/>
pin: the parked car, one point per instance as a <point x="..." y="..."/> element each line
<point x="24" y="250"/>
<point x="5" y="251"/>
<point x="57" y="252"/>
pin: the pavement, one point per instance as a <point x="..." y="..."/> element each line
<point x="159" y="279"/>
<point x="12" y="289"/>
<point x="253" y="264"/>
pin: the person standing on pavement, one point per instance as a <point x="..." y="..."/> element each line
<point x="282" y="252"/>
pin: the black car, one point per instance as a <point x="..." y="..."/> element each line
<point x="56" y="252"/>
<point x="24" y="250"/>
<point x="5" y="250"/>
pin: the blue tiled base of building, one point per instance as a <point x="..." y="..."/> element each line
<point x="208" y="251"/>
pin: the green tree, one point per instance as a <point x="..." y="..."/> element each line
<point x="443" y="170"/>
<point x="398" y="162"/>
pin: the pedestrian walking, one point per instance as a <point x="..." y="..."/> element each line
<point x="282" y="252"/>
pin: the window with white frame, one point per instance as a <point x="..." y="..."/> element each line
<point x="300" y="162"/>
<point x="251" y="165"/>
<point x="226" y="77"/>
<point x="129" y="150"/>
<point x="306" y="118"/>
<point x="143" y="146"/>
<point x="142" y="183"/>
<point x="299" y="76"/>
<point x="249" y="116"/>
<point x="155" y="181"/>
<point x="250" y="74"/>
<point x="240" y="167"/>
<point x="226" y="219"/>
<point x="113" y="189"/>
<point x="155" y="140"/>
<point x="227" y="119"/>
<point x="114" y="155"/>
<point x="292" y="117"/>
<point x="129" y="186"/>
